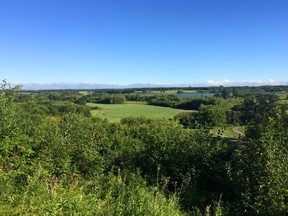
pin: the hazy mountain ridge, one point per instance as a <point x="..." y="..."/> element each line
<point x="92" y="85"/>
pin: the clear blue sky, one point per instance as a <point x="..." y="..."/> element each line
<point x="141" y="41"/>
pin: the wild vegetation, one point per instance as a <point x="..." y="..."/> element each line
<point x="57" y="159"/>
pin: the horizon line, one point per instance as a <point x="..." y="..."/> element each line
<point x="94" y="85"/>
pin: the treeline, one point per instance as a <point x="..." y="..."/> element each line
<point x="52" y="103"/>
<point x="186" y="103"/>
<point x="233" y="112"/>
<point x="105" y="98"/>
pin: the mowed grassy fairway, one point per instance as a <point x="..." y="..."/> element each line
<point x="115" y="112"/>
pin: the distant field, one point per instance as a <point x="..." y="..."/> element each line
<point x="85" y="92"/>
<point x="283" y="98"/>
<point x="115" y="112"/>
<point x="168" y="92"/>
<point x="283" y="95"/>
<point x="283" y="102"/>
<point x="175" y="91"/>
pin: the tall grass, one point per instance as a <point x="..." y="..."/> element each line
<point x="121" y="194"/>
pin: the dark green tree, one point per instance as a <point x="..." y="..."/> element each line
<point x="261" y="173"/>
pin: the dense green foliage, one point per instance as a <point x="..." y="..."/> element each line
<point x="69" y="163"/>
<point x="106" y="98"/>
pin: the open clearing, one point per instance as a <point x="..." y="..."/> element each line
<point x="283" y="95"/>
<point x="115" y="112"/>
<point x="283" y="101"/>
<point x="230" y="131"/>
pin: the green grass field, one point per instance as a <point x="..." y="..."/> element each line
<point x="283" y="101"/>
<point x="115" y="112"/>
<point x="283" y="95"/>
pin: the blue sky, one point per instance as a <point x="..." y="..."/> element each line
<point x="143" y="41"/>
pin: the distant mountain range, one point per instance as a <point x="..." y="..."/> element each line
<point x="91" y="85"/>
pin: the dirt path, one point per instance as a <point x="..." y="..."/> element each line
<point x="237" y="130"/>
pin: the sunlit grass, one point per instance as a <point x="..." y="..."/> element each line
<point x="115" y="112"/>
<point x="283" y="102"/>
